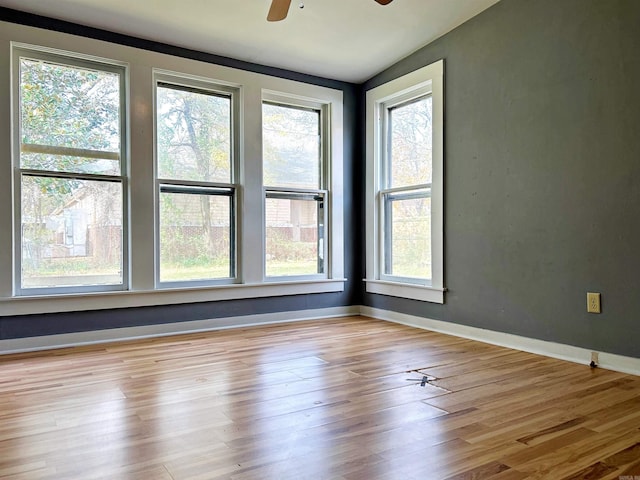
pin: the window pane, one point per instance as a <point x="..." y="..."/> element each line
<point x="195" y="237"/>
<point x="194" y="135"/>
<point x="71" y="232"/>
<point x="70" y="118"/>
<point x="291" y="147"/>
<point x="294" y="237"/>
<point x="408" y="245"/>
<point x="410" y="150"/>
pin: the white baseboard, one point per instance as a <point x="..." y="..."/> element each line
<point x="570" y="353"/>
<point x="48" y="342"/>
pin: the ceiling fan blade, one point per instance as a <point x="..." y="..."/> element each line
<point x="279" y="10"/>
<point x="384" y="2"/>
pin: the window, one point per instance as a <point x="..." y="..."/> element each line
<point x="405" y="186"/>
<point x="295" y="199"/>
<point x="405" y="212"/>
<point x="195" y="184"/>
<point x="70" y="181"/>
<point x="140" y="180"/>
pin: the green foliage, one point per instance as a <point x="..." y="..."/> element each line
<point x="194" y="135"/>
<point x="411" y="231"/>
<point x="291" y="147"/>
<point x="67" y="106"/>
<point x="289" y="257"/>
<point x="411" y="137"/>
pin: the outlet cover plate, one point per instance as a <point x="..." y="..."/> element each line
<point x="593" y="302"/>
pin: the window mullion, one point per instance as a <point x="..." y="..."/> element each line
<point x="69" y="175"/>
<point x="68" y="151"/>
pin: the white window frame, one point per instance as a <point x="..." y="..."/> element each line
<point x="427" y="80"/>
<point x="271" y="191"/>
<point x="80" y="61"/>
<point x="142" y="289"/>
<point x="171" y="79"/>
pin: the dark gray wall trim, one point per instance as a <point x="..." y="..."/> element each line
<point x="542" y="182"/>
<point x="24" y="326"/>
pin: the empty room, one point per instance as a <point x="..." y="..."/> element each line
<point x="319" y="239"/>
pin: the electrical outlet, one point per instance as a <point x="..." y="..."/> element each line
<point x="593" y="302"/>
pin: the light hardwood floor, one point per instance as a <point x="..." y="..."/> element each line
<point x="332" y="399"/>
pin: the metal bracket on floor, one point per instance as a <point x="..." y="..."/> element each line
<point x="423" y="381"/>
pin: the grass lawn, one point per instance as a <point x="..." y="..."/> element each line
<point x="177" y="273"/>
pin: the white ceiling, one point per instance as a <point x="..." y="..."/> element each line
<point x="348" y="40"/>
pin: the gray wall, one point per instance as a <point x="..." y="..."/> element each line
<point x="542" y="161"/>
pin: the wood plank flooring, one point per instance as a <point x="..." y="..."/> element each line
<point x="329" y="399"/>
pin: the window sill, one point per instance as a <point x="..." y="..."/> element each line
<point x="27" y="305"/>
<point x="406" y="290"/>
